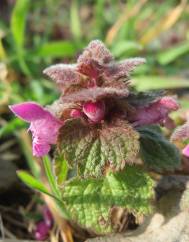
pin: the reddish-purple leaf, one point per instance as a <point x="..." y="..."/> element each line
<point x="97" y="51"/>
<point x="122" y="69"/>
<point x="94" y="94"/>
<point x="65" y="76"/>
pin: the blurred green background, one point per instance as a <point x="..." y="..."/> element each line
<point x="37" y="33"/>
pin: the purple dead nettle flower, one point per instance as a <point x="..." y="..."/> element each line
<point x="91" y="90"/>
<point x="155" y="113"/>
<point x="44" y="226"/>
<point x="42" y="231"/>
<point x="43" y="125"/>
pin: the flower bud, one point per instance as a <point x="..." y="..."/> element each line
<point x="95" y="111"/>
<point x="42" y="231"/>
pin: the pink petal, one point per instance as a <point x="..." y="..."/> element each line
<point x="45" y="132"/>
<point x="41" y="231"/>
<point x="28" y="111"/>
<point x="40" y="150"/>
<point x="154" y="113"/>
<point x="44" y="126"/>
<point x="185" y="151"/>
<point x="94" y="111"/>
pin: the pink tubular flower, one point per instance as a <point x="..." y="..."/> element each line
<point x="43" y="227"/>
<point x="155" y="113"/>
<point x="43" y="125"/>
<point x="94" y="111"/>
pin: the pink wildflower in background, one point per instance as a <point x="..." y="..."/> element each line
<point x="44" y="226"/>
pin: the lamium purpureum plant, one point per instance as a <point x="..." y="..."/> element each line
<point x="108" y="134"/>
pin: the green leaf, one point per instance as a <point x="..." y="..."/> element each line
<point x="91" y="202"/>
<point x="18" y="21"/>
<point x="50" y="176"/>
<point x="95" y="149"/>
<point x="142" y="99"/>
<point x="60" y="170"/>
<point x="144" y="83"/>
<point x="57" y="49"/>
<point x="32" y="182"/>
<point x="156" y="151"/>
<point x="173" y="53"/>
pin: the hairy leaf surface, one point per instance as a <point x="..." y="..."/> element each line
<point x="157" y="152"/>
<point x="95" y="94"/>
<point x="91" y="202"/>
<point x="96" y="149"/>
<point x="143" y="99"/>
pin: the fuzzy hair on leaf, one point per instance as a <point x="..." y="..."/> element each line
<point x="96" y="50"/>
<point x="122" y="69"/>
<point x="95" y="94"/>
<point x="65" y="75"/>
<point x="96" y="69"/>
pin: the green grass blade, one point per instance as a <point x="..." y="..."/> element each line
<point x="57" y="49"/>
<point x="173" y="53"/>
<point x="32" y="182"/>
<point x="18" y="21"/>
<point x="144" y="83"/>
<point x="50" y="176"/>
<point x="18" y="24"/>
